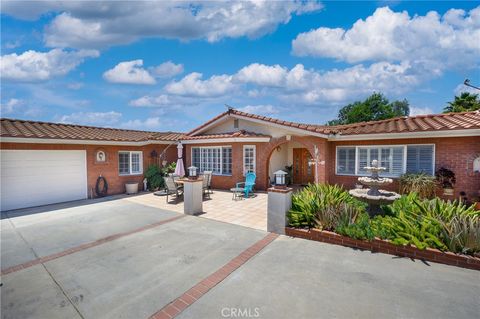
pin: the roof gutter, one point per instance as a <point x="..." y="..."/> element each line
<point x="388" y="136"/>
<point x="79" y="142"/>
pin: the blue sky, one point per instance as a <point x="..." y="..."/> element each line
<point x="173" y="65"/>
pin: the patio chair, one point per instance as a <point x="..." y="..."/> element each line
<point x="205" y="191"/>
<point x="248" y="185"/>
<point x="208" y="174"/>
<point x="172" y="188"/>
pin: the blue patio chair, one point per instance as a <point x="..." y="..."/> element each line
<point x="248" y="184"/>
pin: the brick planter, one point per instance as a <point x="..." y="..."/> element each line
<point x="383" y="246"/>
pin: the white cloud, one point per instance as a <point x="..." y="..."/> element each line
<point x="167" y="70"/>
<point x="150" y="123"/>
<point x="39" y="66"/>
<point x="129" y="72"/>
<point x="265" y="109"/>
<point x="101" y="24"/>
<point x="10" y="106"/>
<point x="192" y="85"/>
<point x="434" y="41"/>
<point x="420" y="110"/>
<point x="262" y="74"/>
<point x="146" y="101"/>
<point x="92" y="118"/>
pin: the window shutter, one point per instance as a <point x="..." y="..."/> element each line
<point x="346" y="160"/>
<point x="420" y="159"/>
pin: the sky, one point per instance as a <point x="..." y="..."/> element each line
<point x="170" y="66"/>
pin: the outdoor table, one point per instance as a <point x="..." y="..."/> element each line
<point x="237" y="192"/>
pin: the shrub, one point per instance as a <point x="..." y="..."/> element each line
<point x="422" y="184"/>
<point x="319" y="205"/>
<point x="445" y="177"/>
<point x="430" y="223"/>
<point x="355" y="224"/>
<point x="154" y="177"/>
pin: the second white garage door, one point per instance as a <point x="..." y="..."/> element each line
<point x="33" y="178"/>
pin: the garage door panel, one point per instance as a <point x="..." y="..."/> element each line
<point x="32" y="178"/>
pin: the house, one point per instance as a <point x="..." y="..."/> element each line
<point x="235" y="142"/>
<point x="231" y="144"/>
<point x="44" y="163"/>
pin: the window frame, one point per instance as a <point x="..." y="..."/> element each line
<point x="404" y="163"/>
<point x="254" y="147"/>
<point x="221" y="147"/>
<point x="130" y="163"/>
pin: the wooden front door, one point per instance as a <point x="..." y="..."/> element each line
<point x="302" y="172"/>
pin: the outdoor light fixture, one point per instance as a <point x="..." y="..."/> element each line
<point x="192" y="172"/>
<point x="280" y="178"/>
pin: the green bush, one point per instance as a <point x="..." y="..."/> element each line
<point x="154" y="177"/>
<point x="430" y="223"/>
<point x="319" y="205"/>
<point x="422" y="184"/>
<point x="355" y="226"/>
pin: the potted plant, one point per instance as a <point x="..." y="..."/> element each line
<point x="446" y="178"/>
<point x="131" y="187"/>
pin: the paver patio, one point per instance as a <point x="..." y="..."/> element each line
<point x="251" y="212"/>
<point x="163" y="256"/>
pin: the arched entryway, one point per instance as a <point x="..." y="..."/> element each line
<point x="294" y="156"/>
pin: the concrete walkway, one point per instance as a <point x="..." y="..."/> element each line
<point x="145" y="260"/>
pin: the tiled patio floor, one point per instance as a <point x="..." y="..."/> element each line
<point x="250" y="212"/>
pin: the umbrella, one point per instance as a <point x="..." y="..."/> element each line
<point x="179" y="169"/>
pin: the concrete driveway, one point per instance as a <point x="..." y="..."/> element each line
<point x="120" y="259"/>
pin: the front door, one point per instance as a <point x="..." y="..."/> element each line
<point x="302" y="172"/>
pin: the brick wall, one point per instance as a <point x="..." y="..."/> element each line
<point x="454" y="153"/>
<point x="263" y="153"/>
<point x="109" y="168"/>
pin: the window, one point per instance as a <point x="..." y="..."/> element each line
<point x="217" y="159"/>
<point x="390" y="157"/>
<point x="346" y="160"/>
<point x="130" y="163"/>
<point x="249" y="159"/>
<point x="397" y="159"/>
<point x="420" y="159"/>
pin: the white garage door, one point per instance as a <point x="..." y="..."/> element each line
<point x="33" y="178"/>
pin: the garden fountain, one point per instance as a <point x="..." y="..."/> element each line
<point x="373" y="196"/>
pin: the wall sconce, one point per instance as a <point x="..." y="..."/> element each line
<point x="278" y="148"/>
<point x="288" y="137"/>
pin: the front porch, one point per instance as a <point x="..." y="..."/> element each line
<point x="251" y="212"/>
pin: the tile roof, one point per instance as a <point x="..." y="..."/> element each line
<point x="420" y="123"/>
<point x="45" y="130"/>
<point x="241" y="133"/>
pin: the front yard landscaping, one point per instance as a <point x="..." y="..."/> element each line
<point x="411" y="221"/>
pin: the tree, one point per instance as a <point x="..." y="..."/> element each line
<point x="463" y="103"/>
<point x="375" y="107"/>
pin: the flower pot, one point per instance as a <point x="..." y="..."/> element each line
<point x="448" y="191"/>
<point x="131" y="187"/>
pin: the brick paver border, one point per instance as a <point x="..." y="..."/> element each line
<point x="196" y="292"/>
<point x="385" y="247"/>
<point x="76" y="249"/>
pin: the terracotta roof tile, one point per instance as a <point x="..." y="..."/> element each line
<point x="32" y="129"/>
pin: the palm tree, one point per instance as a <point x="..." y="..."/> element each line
<point x="463" y="103"/>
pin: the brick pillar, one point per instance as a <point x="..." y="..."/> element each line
<point x="279" y="203"/>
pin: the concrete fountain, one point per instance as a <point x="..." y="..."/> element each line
<point x="372" y="195"/>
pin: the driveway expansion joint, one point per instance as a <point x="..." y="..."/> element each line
<point x="189" y="297"/>
<point x="98" y="242"/>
